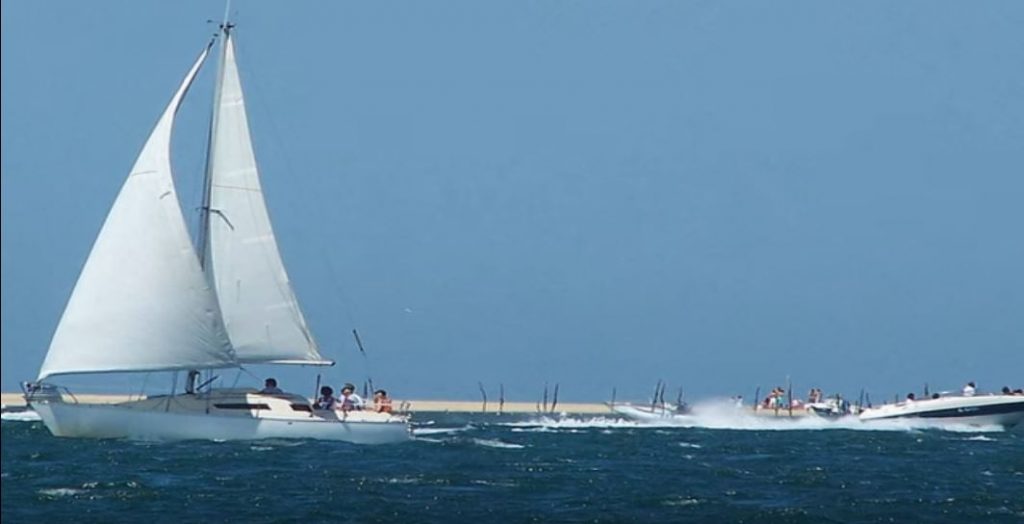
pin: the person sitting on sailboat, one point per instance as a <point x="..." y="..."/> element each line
<point x="270" y="387"/>
<point x="969" y="389"/>
<point x="326" y="400"/>
<point x="350" y="401"/>
<point x="190" y="382"/>
<point x="381" y="401"/>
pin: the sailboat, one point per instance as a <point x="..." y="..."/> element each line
<point x="149" y="299"/>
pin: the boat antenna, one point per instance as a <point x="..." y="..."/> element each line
<point x="227" y="11"/>
<point x="789" y="394"/>
<point x="359" y="342"/>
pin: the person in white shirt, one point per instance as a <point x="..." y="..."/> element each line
<point x="349" y="401"/>
<point x="969" y="389"/>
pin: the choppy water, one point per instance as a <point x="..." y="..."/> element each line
<point x="489" y="468"/>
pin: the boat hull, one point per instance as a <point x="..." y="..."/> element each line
<point x="991" y="410"/>
<point x="647" y="413"/>
<point x="182" y="418"/>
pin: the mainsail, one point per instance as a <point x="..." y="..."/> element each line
<point x="142" y="302"/>
<point x="257" y="303"/>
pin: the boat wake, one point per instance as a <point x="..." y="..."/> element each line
<point x="726" y="416"/>
<point x="20" y="416"/>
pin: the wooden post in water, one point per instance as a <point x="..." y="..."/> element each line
<point x="654" y="399"/>
<point x="554" y="398"/>
<point x="545" y="397"/>
<point x="484" y="394"/>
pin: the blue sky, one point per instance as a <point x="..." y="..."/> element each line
<point x="597" y="194"/>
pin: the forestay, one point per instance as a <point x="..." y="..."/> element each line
<point x="259" y="307"/>
<point x="142" y="302"/>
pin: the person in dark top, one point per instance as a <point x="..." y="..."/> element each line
<point x="270" y="387"/>
<point x="190" y="382"/>
<point x="326" y="399"/>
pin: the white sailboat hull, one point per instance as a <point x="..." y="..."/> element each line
<point x="185" y="417"/>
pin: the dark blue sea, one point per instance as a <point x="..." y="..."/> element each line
<point x="491" y="468"/>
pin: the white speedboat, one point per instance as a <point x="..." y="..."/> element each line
<point x="650" y="413"/>
<point x="982" y="410"/>
<point x="151" y="299"/>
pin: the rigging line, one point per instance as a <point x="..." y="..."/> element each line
<point x="142" y="390"/>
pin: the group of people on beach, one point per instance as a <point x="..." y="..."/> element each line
<point x="349" y="401"/>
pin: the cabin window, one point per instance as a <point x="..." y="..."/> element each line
<point x="302" y="407"/>
<point x="240" y="405"/>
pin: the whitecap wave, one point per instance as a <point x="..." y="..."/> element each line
<point x="981" y="438"/>
<point x="60" y="492"/>
<point x="440" y="431"/>
<point x="20" y="416"/>
<point x="431" y="440"/>
<point x="568" y="422"/>
<point x="495" y="443"/>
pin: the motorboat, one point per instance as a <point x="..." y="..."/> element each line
<point x="980" y="410"/>
<point x="830" y="408"/>
<point x="651" y="412"/>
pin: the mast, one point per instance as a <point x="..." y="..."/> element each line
<point x="203" y="237"/>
